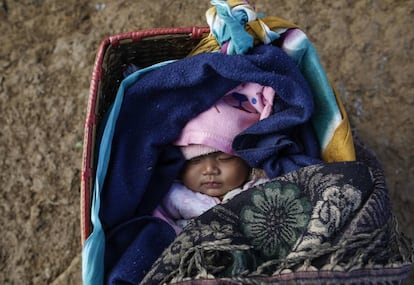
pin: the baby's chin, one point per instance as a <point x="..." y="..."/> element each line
<point x="215" y="192"/>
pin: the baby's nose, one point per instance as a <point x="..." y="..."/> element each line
<point x="210" y="166"/>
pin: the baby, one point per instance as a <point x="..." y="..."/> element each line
<point x="212" y="172"/>
<point x="206" y="181"/>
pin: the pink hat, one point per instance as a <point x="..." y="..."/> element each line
<point x="215" y="129"/>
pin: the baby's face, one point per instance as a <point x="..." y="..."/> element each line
<point x="215" y="174"/>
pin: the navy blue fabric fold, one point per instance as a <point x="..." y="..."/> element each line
<point x="143" y="161"/>
<point x="130" y="255"/>
<point x="278" y="151"/>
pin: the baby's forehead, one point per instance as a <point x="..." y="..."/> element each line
<point x="211" y="155"/>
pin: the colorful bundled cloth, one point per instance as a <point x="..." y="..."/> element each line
<point x="235" y="28"/>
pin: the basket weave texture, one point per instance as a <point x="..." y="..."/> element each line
<point x="115" y="54"/>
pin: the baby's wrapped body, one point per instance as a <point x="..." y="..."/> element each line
<point x="280" y="143"/>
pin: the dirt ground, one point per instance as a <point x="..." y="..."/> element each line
<point x="47" y="52"/>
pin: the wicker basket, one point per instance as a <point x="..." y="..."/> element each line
<point x="145" y="48"/>
<point x="115" y="54"/>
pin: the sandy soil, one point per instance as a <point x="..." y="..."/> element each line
<point x="47" y="52"/>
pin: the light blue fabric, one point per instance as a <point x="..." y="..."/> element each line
<point x="327" y="115"/>
<point x="94" y="247"/>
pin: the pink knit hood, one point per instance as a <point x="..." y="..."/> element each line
<point x="215" y="129"/>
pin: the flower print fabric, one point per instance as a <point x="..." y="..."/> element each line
<point x="275" y="218"/>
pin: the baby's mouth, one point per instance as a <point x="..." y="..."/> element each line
<point x="212" y="184"/>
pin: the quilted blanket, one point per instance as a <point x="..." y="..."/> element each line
<point x="323" y="224"/>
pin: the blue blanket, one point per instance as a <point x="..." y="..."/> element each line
<point x="144" y="163"/>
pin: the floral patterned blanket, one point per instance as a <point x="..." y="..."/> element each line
<point x="330" y="223"/>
